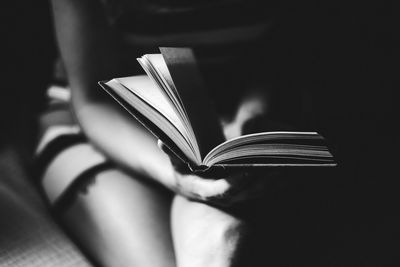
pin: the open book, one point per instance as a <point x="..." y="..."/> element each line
<point x="171" y="102"/>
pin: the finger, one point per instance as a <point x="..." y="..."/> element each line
<point x="215" y="172"/>
<point x="203" y="189"/>
<point x="176" y="162"/>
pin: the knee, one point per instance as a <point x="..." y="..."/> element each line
<point x="204" y="232"/>
<point x="205" y="217"/>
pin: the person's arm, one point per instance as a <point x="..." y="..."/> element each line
<point x="88" y="50"/>
<point x="86" y="44"/>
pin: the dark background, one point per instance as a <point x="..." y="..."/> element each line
<point x="27" y="53"/>
<point x="343" y="55"/>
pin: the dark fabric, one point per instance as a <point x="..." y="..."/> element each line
<point x="165" y="17"/>
<point x="52" y="149"/>
<point x="80" y="183"/>
<point x="27" y="51"/>
<point x="58" y="116"/>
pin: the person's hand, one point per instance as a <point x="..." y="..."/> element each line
<point x="219" y="186"/>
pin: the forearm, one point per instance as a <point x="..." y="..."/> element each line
<point x="113" y="131"/>
<point x="89" y="51"/>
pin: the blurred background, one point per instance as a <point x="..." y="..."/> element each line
<point x="343" y="53"/>
<point x="29" y="236"/>
<point x="27" y="52"/>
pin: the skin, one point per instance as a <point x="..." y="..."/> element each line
<point x="186" y="227"/>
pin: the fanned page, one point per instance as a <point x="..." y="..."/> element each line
<point x="155" y="67"/>
<point x="188" y="82"/>
<point x="272" y="149"/>
<point x="146" y="98"/>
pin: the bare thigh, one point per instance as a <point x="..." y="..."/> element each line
<point x="122" y="221"/>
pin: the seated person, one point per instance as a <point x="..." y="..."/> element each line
<point x="111" y="185"/>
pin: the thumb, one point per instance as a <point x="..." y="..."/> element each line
<point x="163" y="147"/>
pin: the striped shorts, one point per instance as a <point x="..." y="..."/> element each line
<point x="64" y="159"/>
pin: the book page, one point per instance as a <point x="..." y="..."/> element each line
<point x="157" y="61"/>
<point x="143" y="87"/>
<point x="187" y="78"/>
<point x="155" y="67"/>
<point x="140" y="100"/>
<point x="281" y="148"/>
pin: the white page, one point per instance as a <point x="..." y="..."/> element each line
<point x="157" y="63"/>
<point x="143" y="87"/>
